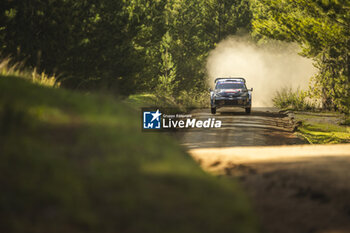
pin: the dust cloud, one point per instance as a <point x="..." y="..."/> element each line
<point x="266" y="68"/>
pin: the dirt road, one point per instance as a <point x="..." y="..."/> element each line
<point x="294" y="187"/>
<point x="264" y="126"/>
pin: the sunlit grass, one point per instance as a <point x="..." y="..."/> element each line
<point x="324" y="133"/>
<point x="32" y="75"/>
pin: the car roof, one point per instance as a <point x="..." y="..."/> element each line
<point x="230" y="80"/>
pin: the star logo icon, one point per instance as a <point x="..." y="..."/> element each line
<point x="151" y="119"/>
<point x="156" y="115"/>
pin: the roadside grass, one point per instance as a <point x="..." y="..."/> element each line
<point x="32" y="75"/>
<point x="184" y="102"/>
<point x="150" y="100"/>
<point x="73" y="162"/>
<point x="317" y="127"/>
<point x="142" y="100"/>
<point x="323" y="128"/>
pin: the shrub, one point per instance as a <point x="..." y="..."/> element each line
<point x="296" y="100"/>
<point x="193" y="99"/>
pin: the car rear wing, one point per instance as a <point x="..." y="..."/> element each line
<point x="230" y="79"/>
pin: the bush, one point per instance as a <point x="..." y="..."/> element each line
<point x="194" y="99"/>
<point x="183" y="101"/>
<point x="286" y="98"/>
<point x="346" y="120"/>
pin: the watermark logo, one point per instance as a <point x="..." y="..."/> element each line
<point x="152" y="120"/>
<point x="166" y="119"/>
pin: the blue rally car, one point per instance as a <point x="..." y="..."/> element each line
<point x="230" y="92"/>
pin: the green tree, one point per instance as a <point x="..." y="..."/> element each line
<point x="89" y="43"/>
<point x="322" y="29"/>
<point x="167" y="83"/>
<point x="196" y="27"/>
<point x="119" y="45"/>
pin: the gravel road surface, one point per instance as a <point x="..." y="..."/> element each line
<point x="294" y="187"/>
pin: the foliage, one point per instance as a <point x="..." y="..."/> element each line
<point x="346" y="121"/>
<point x="72" y="162"/>
<point x="87" y="42"/>
<point x="166" y="83"/>
<point x="33" y="76"/>
<point x="196" y="27"/>
<point x="141" y="100"/>
<point x="321" y="28"/>
<point x="119" y="45"/>
<point x="186" y="100"/>
<point x="287" y="98"/>
<point x="194" y="99"/>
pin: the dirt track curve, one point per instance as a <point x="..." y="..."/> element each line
<point x="294" y="187"/>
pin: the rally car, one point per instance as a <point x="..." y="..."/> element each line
<point x="230" y="92"/>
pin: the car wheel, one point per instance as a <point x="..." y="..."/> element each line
<point x="213" y="110"/>
<point x="248" y="110"/>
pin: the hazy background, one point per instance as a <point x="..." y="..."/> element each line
<point x="267" y="67"/>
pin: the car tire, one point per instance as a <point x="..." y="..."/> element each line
<point x="213" y="110"/>
<point x="248" y="110"/>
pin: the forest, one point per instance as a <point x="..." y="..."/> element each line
<point x="76" y="157"/>
<point x="127" y="47"/>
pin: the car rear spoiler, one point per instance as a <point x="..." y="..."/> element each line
<point x="233" y="79"/>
